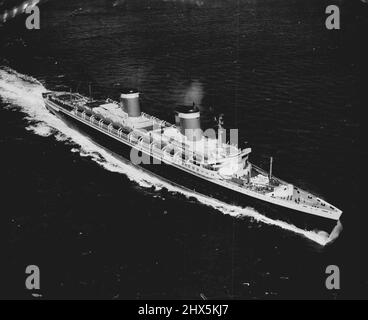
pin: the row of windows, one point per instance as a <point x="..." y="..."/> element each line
<point x="193" y="167"/>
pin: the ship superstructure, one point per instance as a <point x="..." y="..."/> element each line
<point x="183" y="145"/>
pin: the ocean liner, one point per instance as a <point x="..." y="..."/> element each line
<point x="182" y="154"/>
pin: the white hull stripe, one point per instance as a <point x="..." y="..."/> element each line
<point x="129" y="95"/>
<point x="193" y="115"/>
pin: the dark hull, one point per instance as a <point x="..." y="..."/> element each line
<point x="202" y="186"/>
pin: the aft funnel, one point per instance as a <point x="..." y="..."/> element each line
<point x="190" y="122"/>
<point x="130" y="101"/>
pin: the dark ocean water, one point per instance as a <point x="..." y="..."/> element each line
<point x="98" y="228"/>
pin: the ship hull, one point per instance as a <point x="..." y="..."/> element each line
<point x="199" y="184"/>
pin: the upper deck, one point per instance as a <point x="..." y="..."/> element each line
<point x="208" y="149"/>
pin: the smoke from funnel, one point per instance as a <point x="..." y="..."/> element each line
<point x="194" y="94"/>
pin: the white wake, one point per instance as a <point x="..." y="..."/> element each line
<point x="23" y="93"/>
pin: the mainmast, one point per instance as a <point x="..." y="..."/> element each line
<point x="270" y="173"/>
<point x="220" y="123"/>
